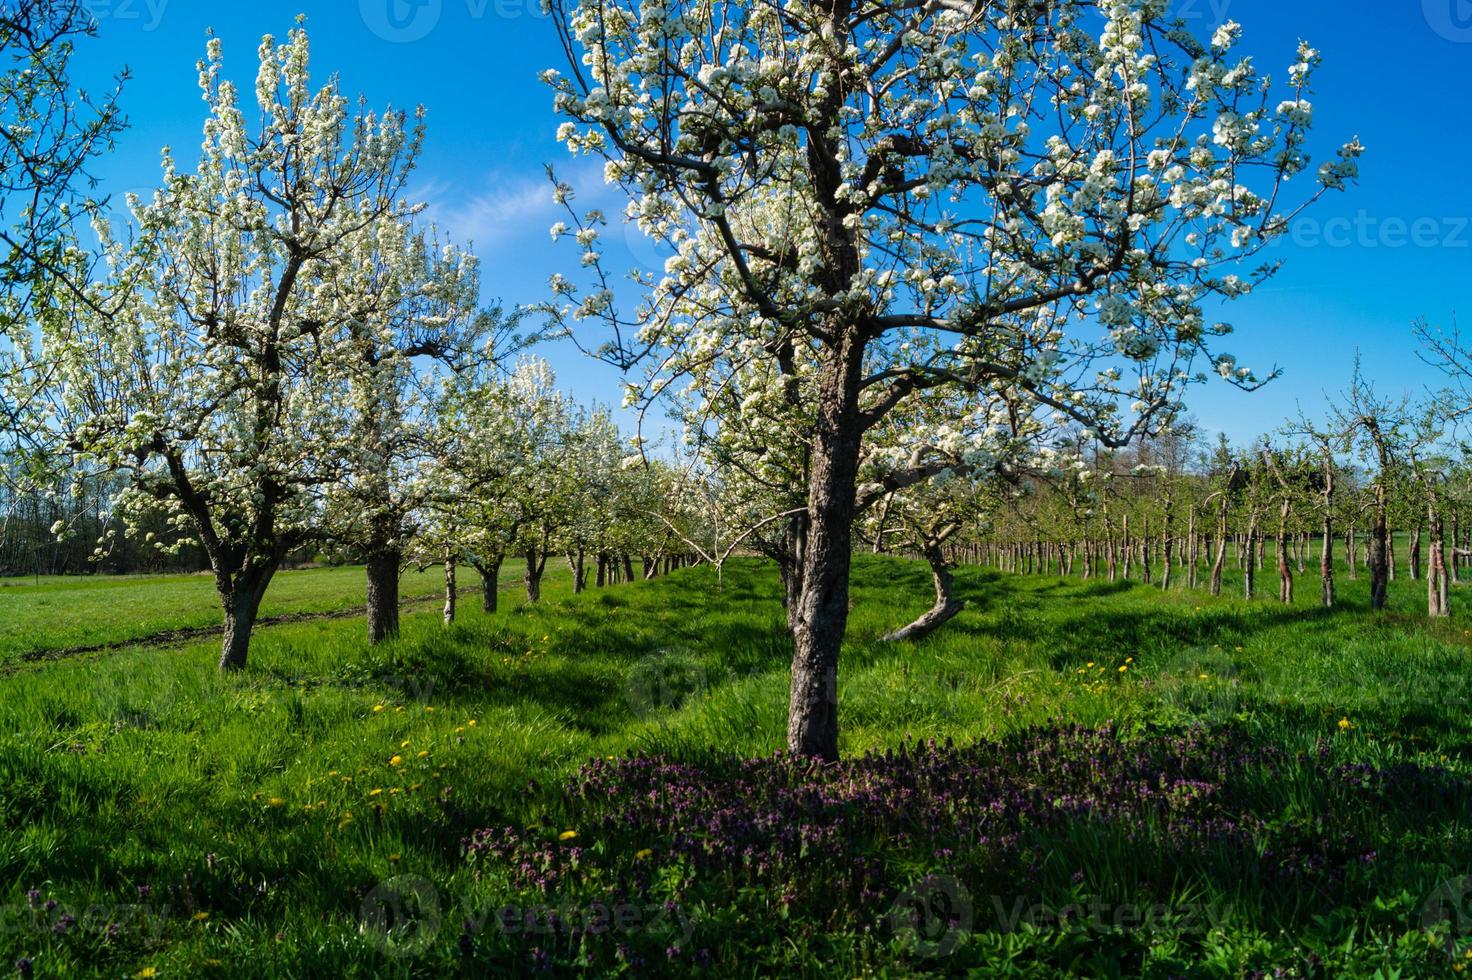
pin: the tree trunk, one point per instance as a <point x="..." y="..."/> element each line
<point x="1285" y="571"/>
<point x="1192" y="573"/>
<point x="1126" y="544"/>
<point x="946" y="605"/>
<point x="1167" y="552"/>
<point x="821" y="615"/>
<point x="1145" y="572"/>
<point x="450" y="590"/>
<point x="490" y="584"/>
<point x="241" y="598"/>
<point x="1249" y="566"/>
<point x="628" y="565"/>
<point x="1379" y="557"/>
<point x="383" y="594"/>
<point x="1326" y="561"/>
<point x="1436" y="574"/>
<point x="536" y="562"/>
<point x="1456" y="559"/>
<point x="575" y="562"/>
<point x="1221" y="549"/>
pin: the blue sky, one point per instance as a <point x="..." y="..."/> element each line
<point x="1364" y="266"/>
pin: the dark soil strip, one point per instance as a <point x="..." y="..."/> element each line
<point x="189" y="633"/>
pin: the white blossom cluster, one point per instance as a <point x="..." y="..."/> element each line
<point x="1029" y="209"/>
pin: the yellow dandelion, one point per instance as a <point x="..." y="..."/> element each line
<point x="567" y="835"/>
<point x="377" y="708"/>
<point x="399" y="709"/>
<point x="201" y="916"/>
<point x="471" y="723"/>
<point x="396" y="760"/>
<point x="1123" y="668"/>
<point x="424" y="754"/>
<point x="1201" y="677"/>
<point x="1345" y="724"/>
<point x="147" y="971"/>
<point x="1089" y="664"/>
<point x="375" y="792"/>
<point x="429" y="707"/>
<point x="405" y="743"/>
<point x="643" y="854"/>
<point x="275" y="801"/>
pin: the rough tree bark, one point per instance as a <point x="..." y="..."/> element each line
<point x="1285" y="571"/>
<point x="946" y="604"/>
<point x="1249" y="566"/>
<point x="536" y="565"/>
<point x="1191" y="549"/>
<point x="1436" y="575"/>
<point x="241" y="596"/>
<point x="576" y="563"/>
<point x="383" y="593"/>
<point x="489" y="571"/>
<point x="450" y="589"/>
<point x="821" y="613"/>
<point x="1221" y="547"/>
<point x="1379" y="548"/>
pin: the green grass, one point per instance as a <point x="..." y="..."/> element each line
<point x="244" y="806"/>
<point x="48" y="614"/>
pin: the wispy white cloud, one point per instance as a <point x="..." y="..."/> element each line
<point x="504" y="212"/>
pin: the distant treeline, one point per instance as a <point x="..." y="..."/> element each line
<point x="89" y="540"/>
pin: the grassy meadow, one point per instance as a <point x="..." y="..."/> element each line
<point x="1140" y="784"/>
<point x="48" y="615"/>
